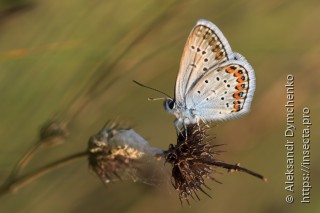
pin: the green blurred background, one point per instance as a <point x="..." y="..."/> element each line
<point x="76" y="60"/>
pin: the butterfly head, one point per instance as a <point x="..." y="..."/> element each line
<point x="169" y="105"/>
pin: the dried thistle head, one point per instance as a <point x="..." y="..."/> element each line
<point x="120" y="154"/>
<point x="190" y="160"/>
<point x="193" y="160"/>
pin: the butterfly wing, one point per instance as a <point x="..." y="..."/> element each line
<point x="205" y="48"/>
<point x="224" y="92"/>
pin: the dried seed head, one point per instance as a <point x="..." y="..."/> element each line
<point x="193" y="160"/>
<point x="190" y="160"/>
<point x="121" y="154"/>
<point x="53" y="132"/>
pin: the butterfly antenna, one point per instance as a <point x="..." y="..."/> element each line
<point x="153" y="90"/>
<point x="156" y="99"/>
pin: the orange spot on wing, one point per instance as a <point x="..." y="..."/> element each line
<point x="236" y="95"/>
<point x="237" y="74"/>
<point x="229" y="70"/>
<point x="239" y="80"/>
<point x="239" y="87"/>
<point x="216" y="48"/>
<point x="218" y="55"/>
<point x="236" y="106"/>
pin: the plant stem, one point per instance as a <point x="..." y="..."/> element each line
<point x="17" y="183"/>
<point x="24" y="161"/>
<point x="236" y="167"/>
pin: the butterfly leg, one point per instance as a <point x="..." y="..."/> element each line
<point x="185" y="129"/>
<point x="197" y="120"/>
<point x="198" y="123"/>
<point x="205" y="123"/>
<point x="177" y="123"/>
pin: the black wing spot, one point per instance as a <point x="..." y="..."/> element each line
<point x="204" y="52"/>
<point x="207" y="99"/>
<point x="227" y="104"/>
<point x="222" y="98"/>
<point x="198" y="91"/>
<point x="225" y="81"/>
<point x="218" y="79"/>
<point x="205" y="60"/>
<point x="233" y="67"/>
<point x="192" y="47"/>
<point x="205" y="69"/>
<point x="228" y="85"/>
<point x="198" y="49"/>
<point x="206" y="81"/>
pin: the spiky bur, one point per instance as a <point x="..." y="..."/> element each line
<point x="121" y="154"/>
<point x="193" y="160"/>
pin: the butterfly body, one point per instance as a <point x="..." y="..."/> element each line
<point x="213" y="83"/>
<point x="183" y="114"/>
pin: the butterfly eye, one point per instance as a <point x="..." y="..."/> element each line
<point x="170" y="104"/>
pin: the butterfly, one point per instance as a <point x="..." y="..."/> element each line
<point x="213" y="83"/>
